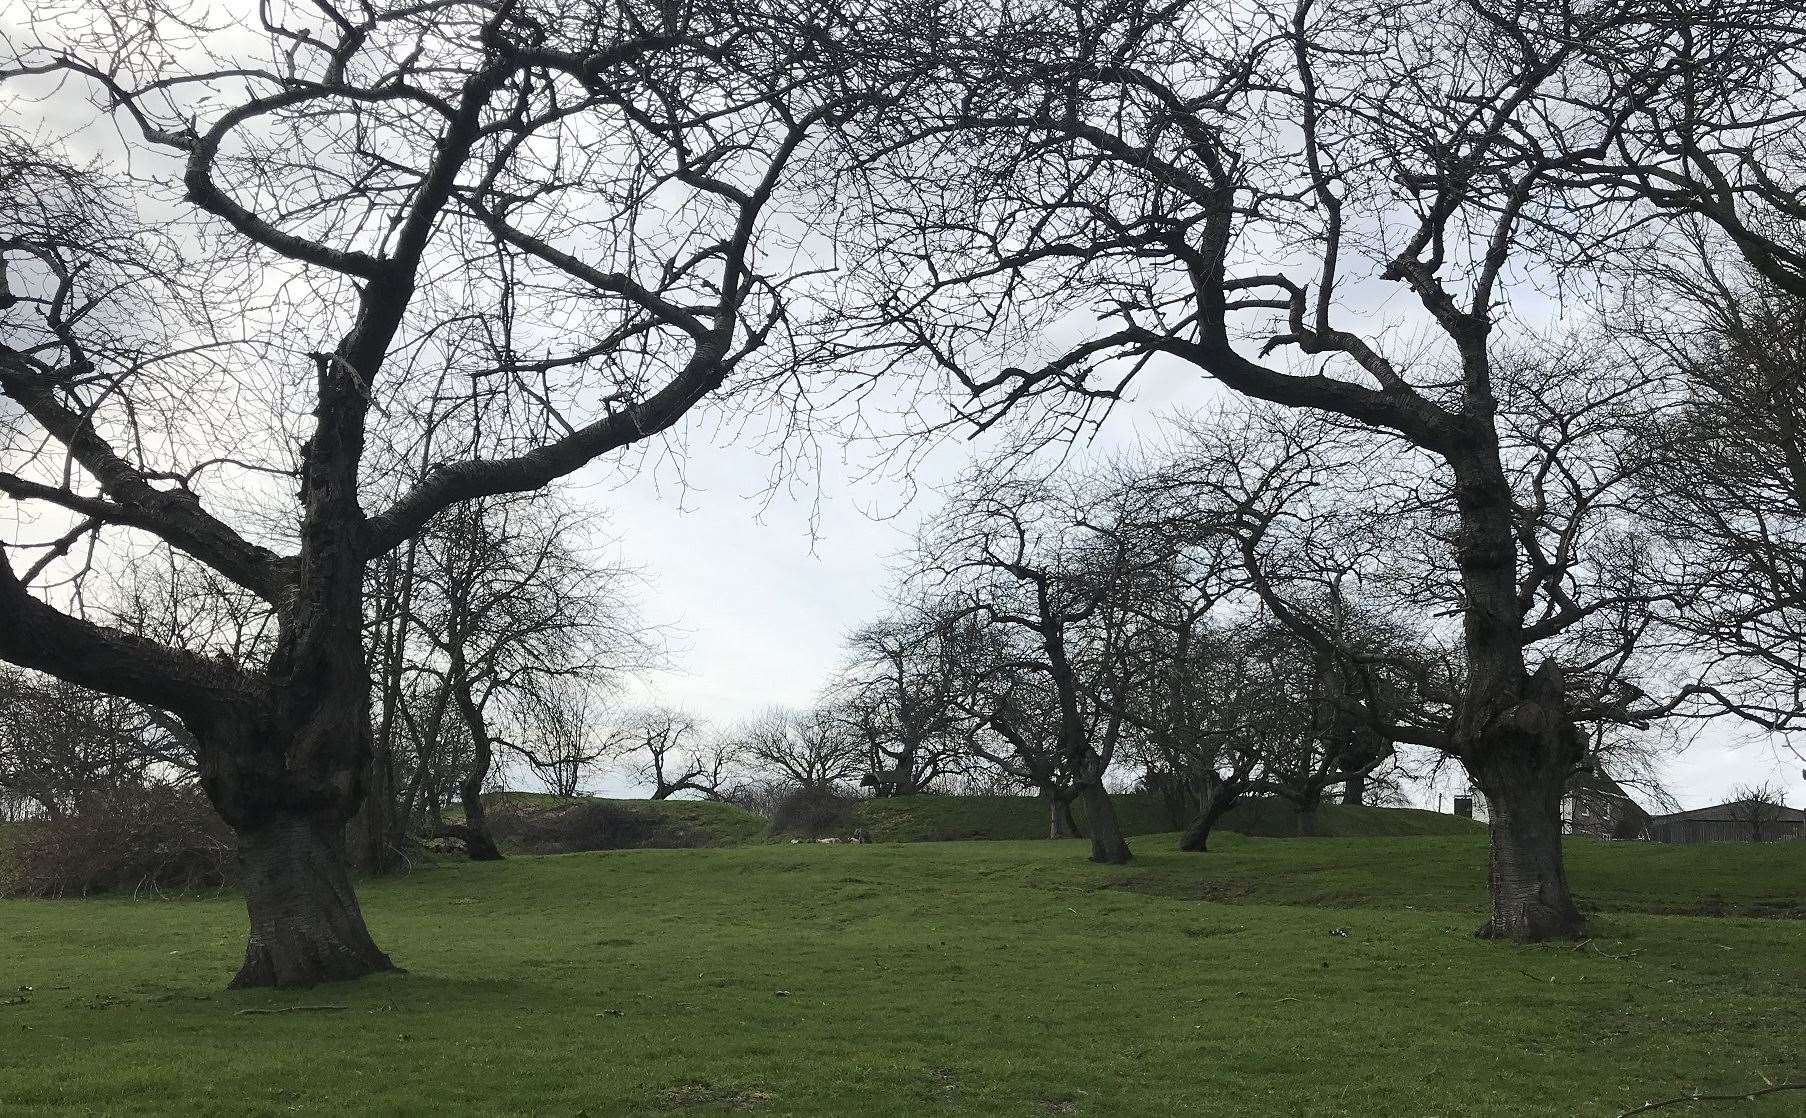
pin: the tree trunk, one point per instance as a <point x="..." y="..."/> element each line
<point x="306" y="927"/>
<point x="374" y="836"/>
<point x="1310" y="798"/>
<point x="1060" y="823"/>
<point x="1354" y="789"/>
<point x="1214" y="802"/>
<point x="1107" y="843"/>
<point x="478" y="842"/>
<point x="1531" y="900"/>
<point x="1521" y="765"/>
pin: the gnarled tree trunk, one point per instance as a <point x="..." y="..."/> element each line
<point x="1107" y="843"/>
<point x="1514" y="730"/>
<point x="1522" y="773"/>
<point x="306" y="926"/>
<point x="1060" y="823"/>
<point x="1214" y="801"/>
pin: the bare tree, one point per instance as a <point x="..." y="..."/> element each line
<point x="676" y="752"/>
<point x="1759" y="807"/>
<point x="559" y="740"/>
<point x="570" y="208"/>
<point x="811" y="749"/>
<point x="515" y="611"/>
<point x="1191" y="176"/>
<point x="59" y="742"/>
<point x="1724" y="482"/>
<point x="897" y="694"/>
<point x="1040" y="564"/>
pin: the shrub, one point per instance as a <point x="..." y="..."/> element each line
<point x="814" y="811"/>
<point x="137" y="837"/>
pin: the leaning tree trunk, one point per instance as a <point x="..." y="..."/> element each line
<point x="1214" y="802"/>
<point x="1107" y="843"/>
<point x="479" y="843"/>
<point x="306" y="927"/>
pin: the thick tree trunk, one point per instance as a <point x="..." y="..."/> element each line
<point x="1107" y="844"/>
<point x="1514" y="731"/>
<point x="1531" y="900"/>
<point x="1060" y="823"/>
<point x="1213" y="803"/>
<point x="1354" y="789"/>
<point x="306" y="927"/>
<point x="1310" y="798"/>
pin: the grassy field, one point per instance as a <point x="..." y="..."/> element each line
<point x="1008" y="978"/>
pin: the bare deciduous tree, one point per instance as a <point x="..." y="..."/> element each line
<point x="568" y="206"/>
<point x="1184" y="178"/>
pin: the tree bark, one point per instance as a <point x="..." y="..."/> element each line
<point x="306" y="926"/>
<point x="1214" y="802"/>
<point x="1531" y="901"/>
<point x="479" y="843"/>
<point x="1354" y="789"/>
<point x="1060" y="823"/>
<point x="1107" y="843"/>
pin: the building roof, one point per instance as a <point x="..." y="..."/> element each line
<point x="1596" y="783"/>
<point x="1738" y="811"/>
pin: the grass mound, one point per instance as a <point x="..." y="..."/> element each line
<point x="529" y="823"/>
<point x="945" y="818"/>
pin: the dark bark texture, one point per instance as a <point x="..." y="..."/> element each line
<point x="306" y="926"/>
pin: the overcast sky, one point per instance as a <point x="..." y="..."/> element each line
<point x="760" y="606"/>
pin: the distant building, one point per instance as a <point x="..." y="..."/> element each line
<point x="1737" y="821"/>
<point x="1595" y="804"/>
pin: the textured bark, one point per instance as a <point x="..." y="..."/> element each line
<point x="1060" y="823"/>
<point x="374" y="837"/>
<point x="1107" y="843"/>
<point x="306" y="927"/>
<point x="1530" y="897"/>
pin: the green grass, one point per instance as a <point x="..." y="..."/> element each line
<point x="1000" y="978"/>
<point x="939" y="818"/>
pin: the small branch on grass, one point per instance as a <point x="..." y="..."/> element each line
<point x="1772" y="1089"/>
<point x="292" y="1009"/>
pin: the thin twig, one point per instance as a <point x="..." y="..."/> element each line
<point x="1770" y="1090"/>
<point x="292" y="1009"/>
